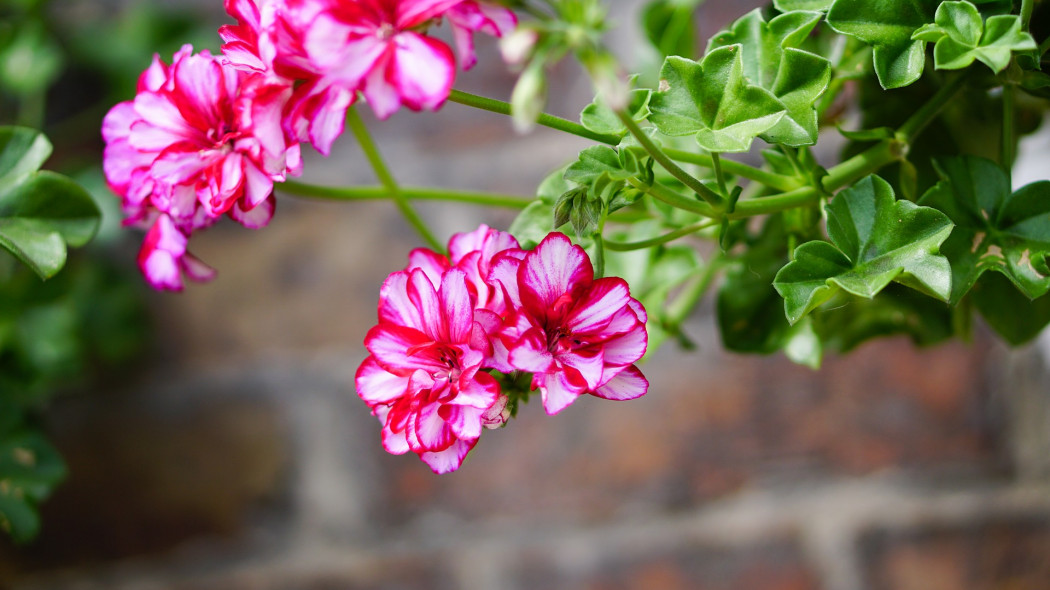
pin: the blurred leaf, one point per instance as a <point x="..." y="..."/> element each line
<point x="31" y="61"/>
<point x="30" y="468"/>
<point x="789" y="5"/>
<point x="668" y="25"/>
<point x="875" y="239"/>
<point x="994" y="228"/>
<point x="1009" y="312"/>
<point x="601" y="119"/>
<point x="848" y="321"/>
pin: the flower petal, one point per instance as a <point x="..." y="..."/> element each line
<point x="627" y="384"/>
<point x="450" y="459"/>
<point x="376" y="385"/>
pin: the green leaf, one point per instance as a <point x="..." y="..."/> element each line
<point x="22" y="152"/>
<point x="30" y="468"/>
<point x="961" y="37"/>
<point x="875" y="239"/>
<point x="43" y="214"/>
<point x="713" y="101"/>
<point x="789" y="5"/>
<point x="773" y="61"/>
<point x="601" y="119"/>
<point x="668" y="25"/>
<point x="1009" y="312"/>
<point x="40" y="212"/>
<point x="31" y="61"/>
<point x="533" y="224"/>
<point x="748" y="310"/>
<point x="848" y="321"/>
<point x="888" y="25"/>
<point x="994" y="228"/>
<point x="594" y="162"/>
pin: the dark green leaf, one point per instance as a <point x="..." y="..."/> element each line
<point x="962" y="37"/>
<point x="1009" y="312"/>
<point x="22" y="152"/>
<point x="713" y="101"/>
<point x="994" y="229"/>
<point x="30" y="468"/>
<point x="887" y="25"/>
<point x="848" y="321"/>
<point x="875" y="239"/>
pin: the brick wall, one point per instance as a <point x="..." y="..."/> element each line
<point x="239" y="458"/>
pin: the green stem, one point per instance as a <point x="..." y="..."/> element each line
<point x="369" y="193"/>
<point x="839" y="176"/>
<point x="673" y="198"/>
<point x="770" y="179"/>
<point x="357" y="126"/>
<point x="1027" y="6"/>
<point x="1009" y="139"/>
<point x="929" y="111"/>
<point x="713" y="199"/>
<point x="716" y="166"/>
<point x="498" y="106"/>
<point x="668" y="237"/>
<point x="679" y="311"/>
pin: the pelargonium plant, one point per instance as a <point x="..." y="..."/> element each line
<point x="910" y="229"/>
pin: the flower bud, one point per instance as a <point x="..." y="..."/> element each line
<point x="528" y="97"/>
<point x="516" y="47"/>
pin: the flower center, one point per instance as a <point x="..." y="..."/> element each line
<point x="385" y="31"/>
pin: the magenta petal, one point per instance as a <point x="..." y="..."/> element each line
<point x="589" y="362"/>
<point x="376" y="385"/>
<point x="425" y="299"/>
<point x="627" y="384"/>
<point x="598" y="305"/>
<point x="197" y="270"/>
<point x="450" y="459"/>
<point x="465" y="421"/>
<point x="432" y="432"/>
<point x="430" y="262"/>
<point x="423" y="70"/>
<point x="530" y="353"/>
<point x="398" y="348"/>
<point x="626" y="348"/>
<point x="552" y="270"/>
<point x="458" y="306"/>
<point x="558" y="392"/>
<point x="256" y="217"/>
<point x="415" y="12"/>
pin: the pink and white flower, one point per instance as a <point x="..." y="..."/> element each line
<point x="330" y="50"/>
<point x="422" y="378"/>
<point x="574" y="333"/>
<point x="199" y="141"/>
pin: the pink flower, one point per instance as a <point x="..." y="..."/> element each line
<point x="574" y="333"/>
<point x="330" y="50"/>
<point x="163" y="258"/>
<point x="472" y="253"/>
<point x="200" y="140"/>
<point x="422" y="379"/>
<point x="469" y="17"/>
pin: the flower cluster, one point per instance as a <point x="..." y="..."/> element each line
<point x="208" y="136"/>
<point x="446" y="322"/>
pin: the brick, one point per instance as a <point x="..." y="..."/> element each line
<point x="148" y="472"/>
<point x="1008" y="553"/>
<point x="774" y="564"/>
<point x="714" y="424"/>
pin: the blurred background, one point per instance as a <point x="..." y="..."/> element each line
<point x="213" y="439"/>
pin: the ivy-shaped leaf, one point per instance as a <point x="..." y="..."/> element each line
<point x="962" y="37"/>
<point x="601" y="119"/>
<point x="773" y="61"/>
<point x="994" y="228"/>
<point x="887" y="25"/>
<point x="40" y="212"/>
<point x="875" y="239"/>
<point x="713" y="101"/>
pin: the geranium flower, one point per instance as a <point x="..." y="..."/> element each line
<point x="574" y="333"/>
<point x="422" y="378"/>
<point x="200" y="140"/>
<point x="163" y="258"/>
